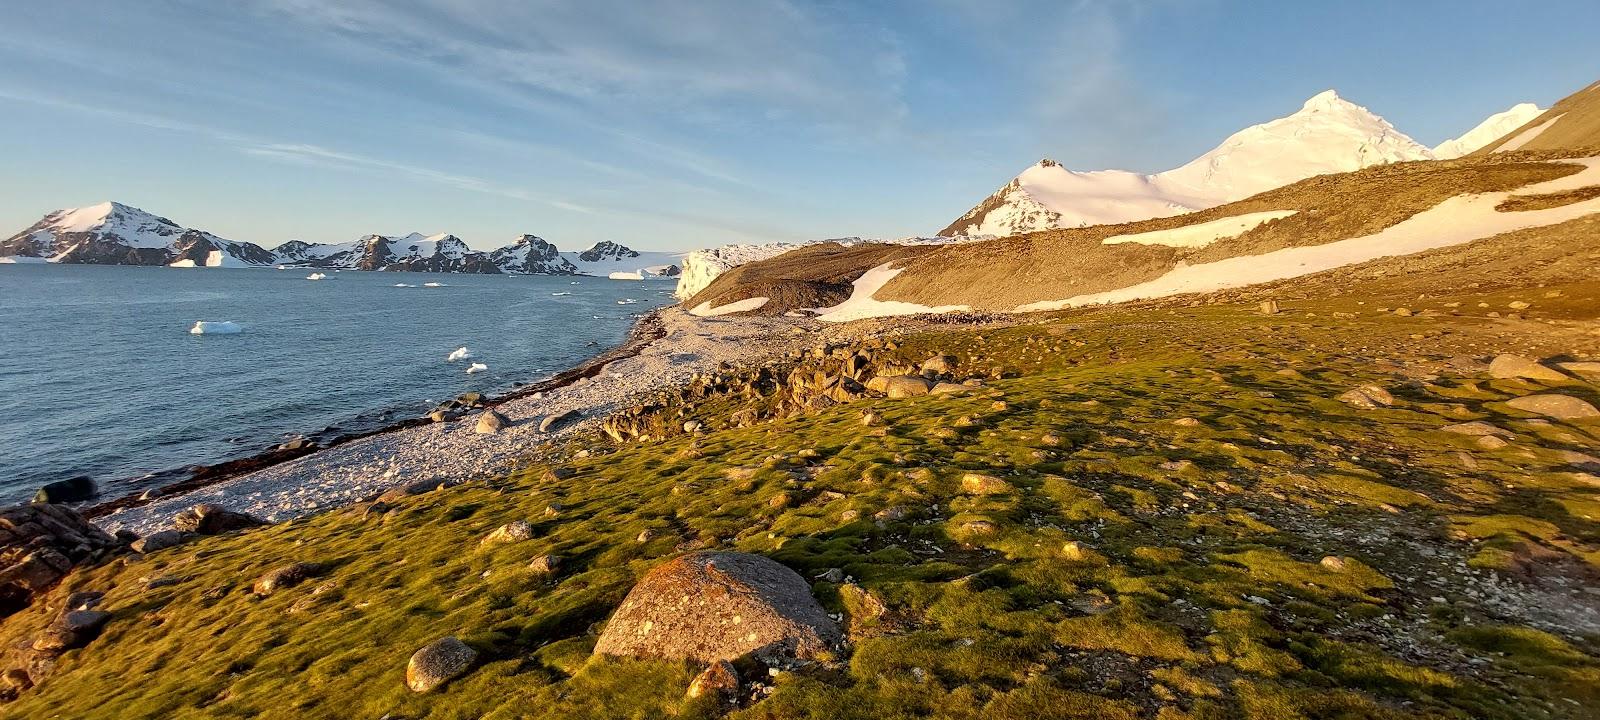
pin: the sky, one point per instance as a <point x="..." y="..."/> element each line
<point x="695" y="123"/>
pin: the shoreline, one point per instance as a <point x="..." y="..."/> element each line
<point x="645" y="330"/>
<point x="666" y="347"/>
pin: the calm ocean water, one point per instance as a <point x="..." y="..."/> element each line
<point x="100" y="376"/>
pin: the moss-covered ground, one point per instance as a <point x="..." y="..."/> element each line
<point x="1177" y="477"/>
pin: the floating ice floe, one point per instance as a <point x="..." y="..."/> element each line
<point x="404" y="285"/>
<point x="433" y="284"/>
<point x="224" y="327"/>
<point x="627" y="301"/>
<point x="559" y="294"/>
<point x="317" y="276"/>
<point x="460" y="353"/>
<point x="477" y="368"/>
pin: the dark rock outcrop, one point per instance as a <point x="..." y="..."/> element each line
<point x="39" y="544"/>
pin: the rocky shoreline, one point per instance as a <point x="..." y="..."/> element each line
<point x="666" y="348"/>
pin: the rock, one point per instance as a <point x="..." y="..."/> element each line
<point x="551" y="422"/>
<point x="981" y="484"/>
<point x="39" y="544"/>
<point x="719" y="683"/>
<point x="286" y="576"/>
<point x="440" y="416"/>
<point x="1582" y="368"/>
<point x="545" y="565"/>
<point x="710" y="606"/>
<point x="1072" y="550"/>
<point x="1367" y="397"/>
<point x="1516" y="366"/>
<point x="977" y="528"/>
<point x="1269" y="307"/>
<point x="159" y="540"/>
<point x="490" y="422"/>
<point x="692" y="426"/>
<point x="208" y="519"/>
<point x="515" y="531"/>
<point x="1477" y="428"/>
<point x="1403" y="312"/>
<point x="1491" y="442"/>
<point x="1519" y="305"/>
<point x="1336" y="564"/>
<point x="939" y="364"/>
<point x="1552" y="405"/>
<point x="73" y="629"/>
<point x="1187" y="422"/>
<point x="75" y="489"/>
<point x="945" y="388"/>
<point x="437" y="663"/>
<point x="84" y="600"/>
<point x="904" y="386"/>
<point x="832" y="575"/>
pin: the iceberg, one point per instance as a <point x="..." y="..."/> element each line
<point x="460" y="353"/>
<point x="477" y="368"/>
<point x="224" y="327"/>
<point x="316" y="276"/>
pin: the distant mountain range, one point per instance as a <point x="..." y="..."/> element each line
<point x="1328" y="134"/>
<point x="112" y="233"/>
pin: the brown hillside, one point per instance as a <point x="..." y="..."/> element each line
<point x="1578" y="125"/>
<point x="814" y="276"/>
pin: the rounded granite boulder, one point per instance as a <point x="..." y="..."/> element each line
<point x="710" y="606"/>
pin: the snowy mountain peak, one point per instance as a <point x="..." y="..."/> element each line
<point x="112" y="233"/>
<point x="1488" y="131"/>
<point x="1328" y="134"/>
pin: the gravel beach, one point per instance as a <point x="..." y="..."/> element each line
<point x="453" y="452"/>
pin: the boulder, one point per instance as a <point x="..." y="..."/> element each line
<point x="39" y="544"/>
<point x="1269" y="307"/>
<point x="209" y="519"/>
<point x="545" y="565"/>
<point x="710" y="606"/>
<point x="159" y="540"/>
<point x="490" y="422"/>
<point x="1552" y="405"/>
<point x="1477" y="428"/>
<point x="939" y="364"/>
<point x="1516" y="366"/>
<point x="551" y="422"/>
<point x="74" y="629"/>
<point x="437" y="663"/>
<point x="71" y="490"/>
<point x="904" y="386"/>
<point x="945" y="388"/>
<point x="286" y="576"/>
<point x="1582" y="368"/>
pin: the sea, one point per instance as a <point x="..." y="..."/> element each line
<point x="101" y="376"/>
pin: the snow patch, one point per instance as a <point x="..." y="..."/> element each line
<point x="861" y="304"/>
<point x="21" y="260"/>
<point x="223" y="327"/>
<point x="1200" y="235"/>
<point x="748" y="304"/>
<point x="1527" y="136"/>
<point x="1456" y="221"/>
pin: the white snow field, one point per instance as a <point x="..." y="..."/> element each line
<point x="746" y="305"/>
<point x="1456" y="221"/>
<point x="222" y="327"/>
<point x="1200" y="235"/>
<point x="861" y="304"/>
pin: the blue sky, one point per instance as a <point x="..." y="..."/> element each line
<point x="671" y="125"/>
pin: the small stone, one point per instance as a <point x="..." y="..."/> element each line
<point x="1367" y="397"/>
<point x="84" y="600"/>
<point x="1072" y="550"/>
<point x="514" y="531"/>
<point x="981" y="484"/>
<point x="832" y="575"/>
<point x="159" y="540"/>
<point x="1186" y="422"/>
<point x="1491" y="442"/>
<point x="286" y="576"/>
<point x="1336" y="564"/>
<point x="552" y="422"/>
<point x="692" y="426"/>
<point x="545" y="565"/>
<point x="719" y="683"/>
<point x="437" y="663"/>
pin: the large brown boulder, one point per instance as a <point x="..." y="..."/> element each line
<point x="39" y="544"/>
<point x="711" y="606"/>
<point x="208" y="519"/>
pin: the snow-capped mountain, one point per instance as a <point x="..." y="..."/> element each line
<point x="1328" y="134"/>
<point x="532" y="255"/>
<point x="609" y="259"/>
<point x="111" y="233"/>
<point x="1488" y="131"/>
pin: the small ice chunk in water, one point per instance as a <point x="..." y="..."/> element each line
<point x="224" y="327"/>
<point x="316" y="276"/>
<point x="433" y="284"/>
<point x="404" y="285"/>
<point x="477" y="368"/>
<point x="459" y="354"/>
